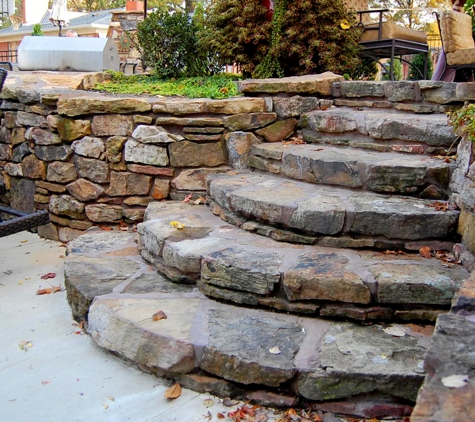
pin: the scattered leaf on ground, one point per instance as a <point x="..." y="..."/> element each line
<point x="440" y="206"/>
<point x="106" y="406"/>
<point x="23" y="241"/>
<point x="157" y="316"/>
<point x="275" y="350"/>
<point x="48" y="291"/>
<point x="48" y="275"/>
<point x="44" y="382"/>
<point x="20" y="282"/>
<point x="395" y="331"/>
<point x="25" y="345"/>
<point x="199" y="201"/>
<point x="110" y="398"/>
<point x="241" y="413"/>
<point x="208" y="416"/>
<point x="177" y="225"/>
<point x="173" y="392"/>
<point x="123" y="226"/>
<point x="426" y="251"/>
<point x="229" y="402"/>
<point x="188" y="198"/>
<point x="106" y="228"/>
<point x="388" y="252"/>
<point x="455" y="381"/>
<point x="208" y="403"/>
<point x="61" y="256"/>
<point x="220" y="416"/>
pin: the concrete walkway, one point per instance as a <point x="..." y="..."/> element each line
<point x="61" y="375"/>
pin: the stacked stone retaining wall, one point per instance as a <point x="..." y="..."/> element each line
<point x="94" y="159"/>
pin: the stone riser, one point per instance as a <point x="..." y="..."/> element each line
<point x="318" y="210"/>
<point x="234" y="351"/>
<point x="233" y="265"/>
<point x="382" y="131"/>
<point x="376" y="172"/>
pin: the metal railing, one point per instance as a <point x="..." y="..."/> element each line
<point x="9" y="56"/>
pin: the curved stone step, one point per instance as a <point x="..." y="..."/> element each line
<point x="328" y="211"/>
<point x="234" y="265"/>
<point x="378" y="172"/>
<point x="234" y="351"/>
<point x="380" y="130"/>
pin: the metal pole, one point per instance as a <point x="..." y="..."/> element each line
<point x="145" y="9"/>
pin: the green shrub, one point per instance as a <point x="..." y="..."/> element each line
<point x="463" y="121"/>
<point x="397" y="70"/>
<point x="169" y="45"/>
<point x="37" y="32"/>
<point x="418" y="63"/>
<point x="304" y="36"/>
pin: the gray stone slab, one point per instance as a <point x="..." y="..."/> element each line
<point x="242" y="269"/>
<point x="322" y="209"/>
<point x="415" y="283"/>
<point x="357" y="359"/>
<point x="240" y="348"/>
<point x="99" y="241"/>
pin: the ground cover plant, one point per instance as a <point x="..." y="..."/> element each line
<point x="217" y="86"/>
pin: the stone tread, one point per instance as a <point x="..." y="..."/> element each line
<point x="238" y="346"/>
<point x="331" y="211"/>
<point x="349" y="167"/>
<point x="395" y="129"/>
<point x="238" y="266"/>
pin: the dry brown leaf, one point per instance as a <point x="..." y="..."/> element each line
<point x="44" y="382"/>
<point x="199" y="201"/>
<point x="48" y="275"/>
<point x="106" y="406"/>
<point x="123" y="226"/>
<point x="208" y="416"/>
<point x="49" y="290"/>
<point x="208" y="403"/>
<point x="173" y="392"/>
<point x="106" y="228"/>
<point x="157" y="316"/>
<point x="440" y="206"/>
<point x="426" y="252"/>
<point x="388" y="252"/>
<point x="220" y="416"/>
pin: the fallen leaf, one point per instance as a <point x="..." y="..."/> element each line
<point x="48" y="291"/>
<point x="177" y="225"/>
<point x="440" y="206"/>
<point x="173" y="392"/>
<point x="388" y="252"/>
<point x="48" y="275"/>
<point x="23" y="241"/>
<point x="208" y="403"/>
<point x="61" y="256"/>
<point x="106" y="406"/>
<point x="157" y="316"/>
<point x="110" y="398"/>
<point x="44" y="382"/>
<point x="426" y="251"/>
<point x="229" y="402"/>
<point x="20" y="282"/>
<point x="123" y="226"/>
<point x="188" y="198"/>
<point x="208" y="416"/>
<point x="220" y="416"/>
<point x="395" y="331"/>
<point x="25" y="345"/>
<point x="275" y="350"/>
<point x="199" y="201"/>
<point x="106" y="228"/>
<point x="455" y="381"/>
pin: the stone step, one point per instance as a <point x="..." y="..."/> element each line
<point x="234" y="265"/>
<point x="405" y="174"/>
<point x="234" y="351"/>
<point x="382" y="131"/>
<point x="327" y="211"/>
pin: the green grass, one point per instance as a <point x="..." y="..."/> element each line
<point x="218" y="86"/>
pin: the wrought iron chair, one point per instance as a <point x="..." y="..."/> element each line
<point x="386" y="40"/>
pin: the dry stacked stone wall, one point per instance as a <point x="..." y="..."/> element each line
<point x="94" y="159"/>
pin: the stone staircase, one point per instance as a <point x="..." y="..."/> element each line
<point x="324" y="234"/>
